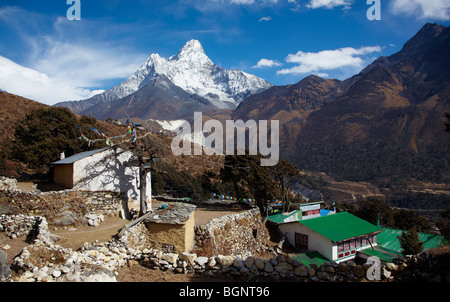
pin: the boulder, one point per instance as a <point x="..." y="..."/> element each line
<point x="249" y="262"/>
<point x="391" y="266"/>
<point x="385" y="273"/>
<point x="244" y="271"/>
<point x="5" y="271"/>
<point x="64" y="219"/>
<point x="212" y="262"/>
<point x="170" y="257"/>
<point x="259" y="263"/>
<point x="97" y="274"/>
<point x="238" y="263"/>
<point x="323" y="275"/>
<point x="268" y="268"/>
<point x="301" y="271"/>
<point x="342" y="267"/>
<point x="225" y="260"/>
<point x="202" y="261"/>
<point x="283" y="268"/>
<point x="359" y="271"/>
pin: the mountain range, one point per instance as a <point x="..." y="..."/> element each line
<point x="169" y="89"/>
<point x="386" y="121"/>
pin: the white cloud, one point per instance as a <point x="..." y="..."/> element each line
<point x="37" y="86"/>
<point x="246" y="2"/>
<point x="265" y="19"/>
<point x="423" y="9"/>
<point x="313" y="4"/>
<point x="66" y="72"/>
<point x="329" y="60"/>
<point x="63" y="64"/>
<point x="243" y="1"/>
<point x="266" y="63"/>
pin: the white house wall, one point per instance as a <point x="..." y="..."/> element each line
<point x="316" y="241"/>
<point x="106" y="171"/>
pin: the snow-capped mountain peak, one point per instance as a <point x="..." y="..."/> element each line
<point x="194" y="72"/>
<point x="191" y="50"/>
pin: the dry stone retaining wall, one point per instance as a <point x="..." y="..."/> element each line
<point x="235" y="234"/>
<point x="43" y="260"/>
<point x="53" y="204"/>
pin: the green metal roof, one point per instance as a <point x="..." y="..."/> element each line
<point x="389" y="245"/>
<point x="340" y="226"/>
<point x="280" y="218"/>
<point x="389" y="240"/>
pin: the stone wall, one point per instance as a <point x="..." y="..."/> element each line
<point x="34" y="227"/>
<point x="235" y="234"/>
<point x="56" y="204"/>
<point x="43" y="260"/>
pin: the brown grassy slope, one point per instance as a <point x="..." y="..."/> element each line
<point x="13" y="109"/>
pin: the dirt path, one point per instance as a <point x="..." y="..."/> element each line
<point x="75" y="238"/>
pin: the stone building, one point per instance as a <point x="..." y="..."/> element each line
<point x="171" y="227"/>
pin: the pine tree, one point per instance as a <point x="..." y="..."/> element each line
<point x="410" y="243"/>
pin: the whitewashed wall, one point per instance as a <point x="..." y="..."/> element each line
<point x="108" y="171"/>
<point x="316" y="241"/>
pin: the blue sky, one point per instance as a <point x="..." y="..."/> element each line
<point x="48" y="58"/>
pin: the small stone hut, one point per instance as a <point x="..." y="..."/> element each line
<point x="171" y="227"/>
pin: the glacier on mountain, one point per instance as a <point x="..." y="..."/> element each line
<point x="191" y="70"/>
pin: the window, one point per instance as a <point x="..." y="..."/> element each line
<point x="358" y="242"/>
<point x="364" y="241"/>
<point x="352" y="244"/>
<point x="301" y="241"/>
<point x="340" y="247"/>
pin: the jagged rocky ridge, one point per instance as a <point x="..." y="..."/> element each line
<point x="167" y="89"/>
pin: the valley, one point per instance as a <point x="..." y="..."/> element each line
<point x="379" y="134"/>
